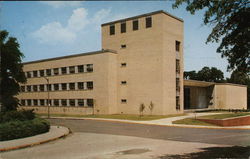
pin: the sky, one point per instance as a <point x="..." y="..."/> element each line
<point x="47" y="29"/>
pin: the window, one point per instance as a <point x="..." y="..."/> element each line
<point x="35" y="102"/>
<point x="90" y="85"/>
<point x="72" y="102"/>
<point x="72" y="69"/>
<point x="64" y="70"/>
<point x="177" y="66"/>
<point x="177" y="103"/>
<point x="135" y="24"/>
<point x="35" y="88"/>
<point x="148" y="22"/>
<point x="177" y="46"/>
<point x="178" y="84"/>
<point x="56" y="71"/>
<point x="123" y="46"/>
<point x="64" y="86"/>
<point x="29" y="102"/>
<point x="112" y="30"/>
<point x="34" y="73"/>
<point x="28" y="75"/>
<point x="64" y="102"/>
<point x="29" y="88"/>
<point x="90" y="102"/>
<point x="80" y="102"/>
<point x="49" y="87"/>
<point x="124" y="100"/>
<point x="123" y="64"/>
<point x="56" y="87"/>
<point x="42" y="102"/>
<point x="80" y="85"/>
<point x="41" y="87"/>
<point x="123" y="27"/>
<point x="89" y="67"/>
<point x="23" y="102"/>
<point x="72" y="86"/>
<point x="56" y="102"/>
<point x="80" y="68"/>
<point x="22" y="88"/>
<point x="123" y="82"/>
<point x="41" y="73"/>
<point x="48" y="72"/>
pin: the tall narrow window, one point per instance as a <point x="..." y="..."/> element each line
<point x="72" y="69"/>
<point x="28" y="75"/>
<point x="56" y="87"/>
<point x="72" y="102"/>
<point x="90" y="102"/>
<point x="89" y="67"/>
<point x="48" y="87"/>
<point x="112" y="29"/>
<point x="56" y="102"/>
<point x="64" y="70"/>
<point x="29" y="102"/>
<point x="29" y="88"/>
<point x="41" y="73"/>
<point x="177" y="46"/>
<point x="23" y="102"/>
<point x="72" y="86"/>
<point x="148" y="22"/>
<point x="177" y="66"/>
<point x="35" y="88"/>
<point x="135" y="24"/>
<point x="64" y="86"/>
<point x="80" y="85"/>
<point x="34" y="73"/>
<point x="42" y="102"/>
<point x="22" y="89"/>
<point x="177" y="103"/>
<point x="90" y="85"/>
<point x="123" y="27"/>
<point x="41" y="87"/>
<point x="35" y="102"/>
<point x="48" y="72"/>
<point x="80" y="102"/>
<point x="64" y="102"/>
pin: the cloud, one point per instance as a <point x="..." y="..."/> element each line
<point x="61" y="4"/>
<point x="55" y="32"/>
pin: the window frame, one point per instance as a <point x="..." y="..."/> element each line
<point x="112" y="29"/>
<point x="135" y="25"/>
<point x="148" y="22"/>
<point x="123" y="27"/>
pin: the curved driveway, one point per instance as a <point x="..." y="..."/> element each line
<point x="202" y="135"/>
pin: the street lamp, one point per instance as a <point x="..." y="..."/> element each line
<point x="48" y="100"/>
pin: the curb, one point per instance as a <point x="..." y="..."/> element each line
<point x="174" y="125"/>
<point x="35" y="143"/>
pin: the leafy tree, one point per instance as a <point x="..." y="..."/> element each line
<point x="141" y="109"/>
<point x="206" y="74"/>
<point x="230" y="21"/>
<point x="151" y="107"/>
<point x="11" y="71"/>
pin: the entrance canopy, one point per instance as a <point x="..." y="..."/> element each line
<point x="194" y="83"/>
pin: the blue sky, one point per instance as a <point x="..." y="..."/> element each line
<point x="50" y="29"/>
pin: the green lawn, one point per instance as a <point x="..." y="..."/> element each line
<point x="117" y="116"/>
<point x="192" y="121"/>
<point x="224" y="116"/>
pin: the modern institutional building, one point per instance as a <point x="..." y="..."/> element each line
<point x="141" y="61"/>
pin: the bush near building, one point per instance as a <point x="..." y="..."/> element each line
<point x="19" y="124"/>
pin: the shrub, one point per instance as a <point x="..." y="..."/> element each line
<point x="21" y="115"/>
<point x="19" y="129"/>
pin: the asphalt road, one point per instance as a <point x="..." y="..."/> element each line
<point x="202" y="135"/>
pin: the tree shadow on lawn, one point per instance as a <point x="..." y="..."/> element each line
<point x="214" y="152"/>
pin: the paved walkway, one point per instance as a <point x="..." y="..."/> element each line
<point x="54" y="133"/>
<point x="163" y="122"/>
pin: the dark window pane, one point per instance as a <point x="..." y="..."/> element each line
<point x="112" y="29"/>
<point x="72" y="69"/>
<point x="80" y="102"/>
<point x="123" y="64"/>
<point x="28" y="75"/>
<point x="35" y="102"/>
<point x="22" y="89"/>
<point x="29" y="88"/>
<point x="72" y="102"/>
<point x="41" y="87"/>
<point x="80" y="85"/>
<point x="49" y="87"/>
<point x="135" y="25"/>
<point x="123" y="46"/>
<point x="56" y="71"/>
<point x="177" y="46"/>
<point x="41" y="73"/>
<point x="48" y="72"/>
<point x="123" y="27"/>
<point x="72" y="86"/>
<point x="89" y="67"/>
<point x="90" y="85"/>
<point x="41" y="101"/>
<point x="123" y="82"/>
<point x="64" y="86"/>
<point x="23" y="102"/>
<point x="35" y="88"/>
<point x="178" y="103"/>
<point x="56" y="102"/>
<point x="56" y="87"/>
<point x="64" y="102"/>
<point x="29" y="102"/>
<point x="90" y="102"/>
<point x="34" y="73"/>
<point x="124" y="100"/>
<point x="64" y="70"/>
<point x="80" y="68"/>
<point x="177" y="66"/>
<point x="148" y="22"/>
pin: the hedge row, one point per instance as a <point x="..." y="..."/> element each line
<point x="19" y="129"/>
<point x="21" y="115"/>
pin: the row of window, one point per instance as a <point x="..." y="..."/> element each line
<point x="58" y="102"/>
<point x="60" y="71"/>
<point x="135" y="25"/>
<point x="58" y="87"/>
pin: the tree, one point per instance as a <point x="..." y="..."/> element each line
<point x="230" y="21"/>
<point x="11" y="71"/>
<point x="151" y="107"/>
<point x="206" y="74"/>
<point x="141" y="109"/>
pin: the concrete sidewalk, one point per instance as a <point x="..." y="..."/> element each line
<point x="54" y="133"/>
<point x="162" y="122"/>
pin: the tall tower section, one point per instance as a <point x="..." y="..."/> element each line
<point x="149" y="62"/>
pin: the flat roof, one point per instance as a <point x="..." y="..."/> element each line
<point x="143" y="15"/>
<point x="74" y="55"/>
<point x="196" y="83"/>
